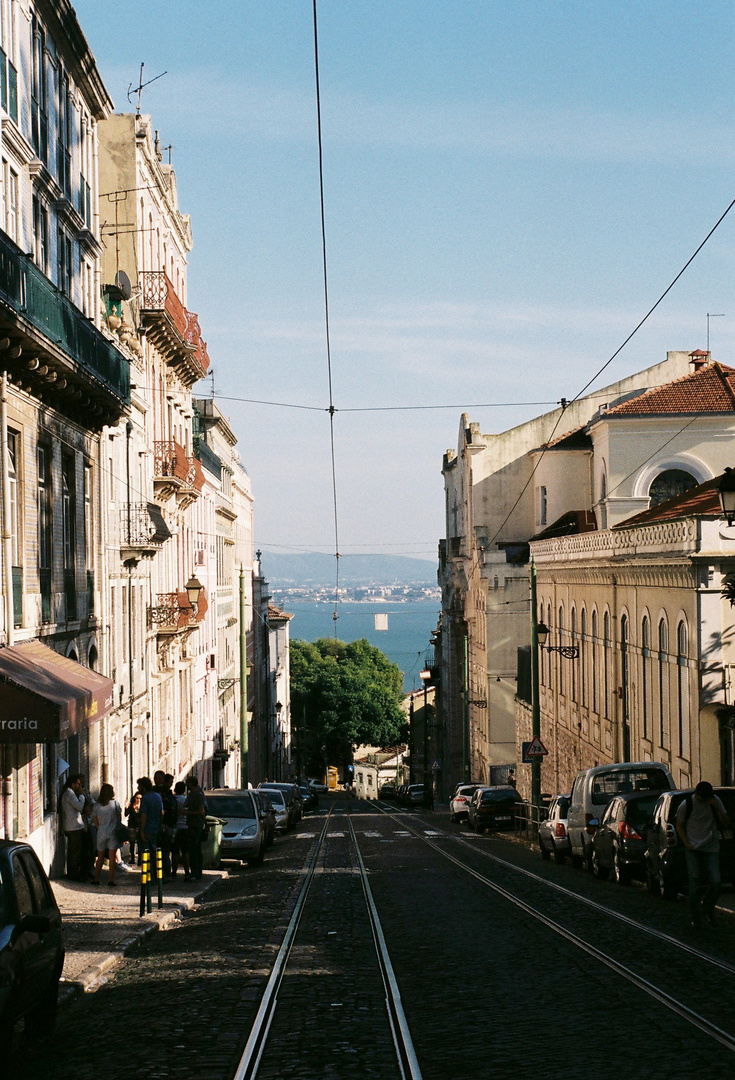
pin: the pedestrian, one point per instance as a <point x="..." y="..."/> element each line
<point x="151" y="818"/>
<point x="132" y="813"/>
<point x="74" y="825"/>
<point x="196" y="815"/>
<point x="107" y="815"/>
<point x="699" y="819"/>
<point x="162" y="785"/>
<point x="511" y="781"/>
<point x="180" y="845"/>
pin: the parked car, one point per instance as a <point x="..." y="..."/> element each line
<point x="553" y="835"/>
<point x="619" y="843"/>
<point x="388" y="790"/>
<point x="402" y="794"/>
<point x="289" y="792"/>
<point x="415" y="795"/>
<point x="277" y="800"/>
<point x="666" y="871"/>
<point x="460" y="801"/>
<point x="319" y="786"/>
<point x="309" y="798"/>
<point x="243" y="831"/>
<point x="265" y="809"/>
<point x="594" y="788"/>
<point x="493" y="808"/>
<point x="31" y="946"/>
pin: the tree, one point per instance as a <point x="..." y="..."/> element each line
<point x="342" y="695"/>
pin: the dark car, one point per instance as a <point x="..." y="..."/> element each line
<point x="388" y="790"/>
<point x="309" y="797"/>
<point x="493" y="808"/>
<point x="267" y="813"/>
<point x="666" y="871"/>
<point x="31" y="947"/>
<point x="619" y="843"/>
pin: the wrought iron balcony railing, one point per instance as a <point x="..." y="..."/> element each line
<point x="142" y="526"/>
<point x="182" y="333"/>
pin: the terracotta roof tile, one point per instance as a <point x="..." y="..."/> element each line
<point x="711" y="389"/>
<point x="700" y="501"/>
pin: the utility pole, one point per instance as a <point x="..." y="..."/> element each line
<point x="243" y="683"/>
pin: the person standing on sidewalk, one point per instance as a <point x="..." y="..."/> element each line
<point x="698" y="822"/>
<point x="170" y="814"/>
<point x="74" y="825"/>
<point x="180" y="845"/>
<point x="196" y="815"/>
<point x="107" y="815"/>
<point x="151" y="817"/>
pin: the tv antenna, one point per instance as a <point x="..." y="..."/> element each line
<point x="716" y="315"/>
<point x="141" y="87"/>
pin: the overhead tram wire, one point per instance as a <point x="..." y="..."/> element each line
<point x="326" y="312"/>
<point x="609" y="361"/>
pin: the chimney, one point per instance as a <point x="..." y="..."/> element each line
<point x="699" y="359"/>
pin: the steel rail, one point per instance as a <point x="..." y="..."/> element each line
<point x="402" y="1041"/>
<point x="706" y="1026"/>
<point x="602" y="908"/>
<point x="251" y="1056"/>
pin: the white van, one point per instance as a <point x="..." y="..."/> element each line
<point x="594" y="788"/>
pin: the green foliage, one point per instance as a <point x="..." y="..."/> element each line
<point x="342" y="695"/>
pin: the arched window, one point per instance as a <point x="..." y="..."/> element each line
<point x="603" y="500"/>
<point x="682" y="672"/>
<point x="573" y="641"/>
<point x="663" y="685"/>
<point x="560" y="641"/>
<point x="92" y="660"/>
<point x="625" y="685"/>
<point x="549" y="662"/>
<point x="606" y="666"/>
<point x="669" y="484"/>
<point x="646" y="676"/>
<point x="595" y="647"/>
<point x="583" y="645"/>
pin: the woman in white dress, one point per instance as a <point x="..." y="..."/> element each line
<point x="106" y="816"/>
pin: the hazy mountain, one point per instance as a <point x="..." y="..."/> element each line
<point x="286" y="571"/>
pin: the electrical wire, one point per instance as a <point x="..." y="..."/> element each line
<point x="326" y="311"/>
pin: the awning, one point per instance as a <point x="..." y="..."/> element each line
<point x="45" y="697"/>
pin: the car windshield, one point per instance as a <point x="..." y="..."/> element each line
<point x="500" y="795"/>
<point x="231" y="806"/>
<point x="275" y="797"/>
<point x="562" y="808"/>
<point x="638" y="811"/>
<point x="621" y="781"/>
<point x="466" y="790"/>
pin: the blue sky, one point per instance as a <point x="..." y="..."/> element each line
<point x="509" y="187"/>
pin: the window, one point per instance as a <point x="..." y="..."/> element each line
<point x="39" y="98"/>
<point x="646" y="676"/>
<point x="549" y="663"/>
<point x="10" y="220"/>
<point x="68" y="508"/>
<point x="85" y="154"/>
<point x="543" y="506"/>
<point x="573" y="636"/>
<point x="625" y="679"/>
<point x="682" y="689"/>
<point x="583" y="657"/>
<point x="40" y="234"/>
<point x="603" y="500"/>
<point x="595" y="646"/>
<point x="64" y="127"/>
<point x="8" y="72"/>
<point x="560" y="642"/>
<point x="606" y="666"/>
<point x="669" y="484"/>
<point x="45" y="538"/>
<point x="64" y="262"/>
<point x="663" y="685"/>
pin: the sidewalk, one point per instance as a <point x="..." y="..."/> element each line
<point x="101" y="925"/>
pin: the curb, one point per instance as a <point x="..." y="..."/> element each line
<point x="96" y="974"/>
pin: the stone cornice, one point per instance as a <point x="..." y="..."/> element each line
<point x="670" y="537"/>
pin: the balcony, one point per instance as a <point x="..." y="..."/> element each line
<point x="176" y="473"/>
<point x="53" y="351"/>
<point x="143" y="531"/>
<point x="173" y="330"/>
<point x="173" y="614"/>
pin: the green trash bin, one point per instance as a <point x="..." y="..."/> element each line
<point x="211" y="846"/>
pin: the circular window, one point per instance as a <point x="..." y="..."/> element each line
<point x="669" y="484"/>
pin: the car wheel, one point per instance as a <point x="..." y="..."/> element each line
<point x="601" y="872"/>
<point x="621" y="872"/>
<point x="41" y="1019"/>
<point x="257" y="860"/>
<point x="559" y="856"/>
<point x="668" y="888"/>
<point x="545" y="855"/>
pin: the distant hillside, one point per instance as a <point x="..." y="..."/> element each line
<point x="285" y="571"/>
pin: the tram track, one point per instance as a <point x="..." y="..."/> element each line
<point x="696" y="1019"/>
<point x="249" y="1065"/>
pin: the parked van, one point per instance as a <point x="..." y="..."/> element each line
<point x="594" y="788"/>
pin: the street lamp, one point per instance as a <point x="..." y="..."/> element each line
<point x="542" y="633"/>
<point x="726" y="493"/>
<point x="193" y="590"/>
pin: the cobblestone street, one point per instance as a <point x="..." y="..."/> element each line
<point x="485" y="986"/>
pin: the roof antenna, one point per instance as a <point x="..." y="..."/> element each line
<point x="141" y="86"/>
<point x="715" y="316"/>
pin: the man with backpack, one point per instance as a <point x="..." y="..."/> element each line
<point x="698" y="822"/>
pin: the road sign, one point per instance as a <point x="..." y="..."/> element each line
<point x="532" y="750"/>
<point x="436" y="763"/>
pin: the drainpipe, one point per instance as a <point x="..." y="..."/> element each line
<point x="243" y="684"/>
<point x="130" y="564"/>
<point x="7" y="765"/>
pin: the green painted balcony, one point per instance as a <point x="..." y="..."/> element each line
<point x="51" y="349"/>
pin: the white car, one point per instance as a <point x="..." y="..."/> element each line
<point x="460" y="801"/>
<point x="318" y="786"/>
<point x="553" y="835"/>
<point x="243" y="832"/>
